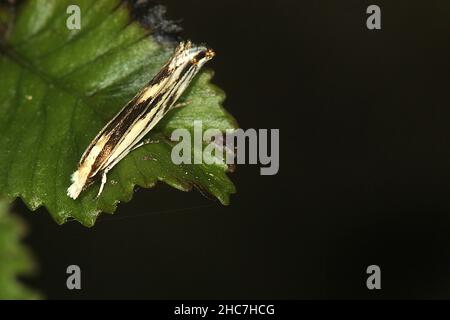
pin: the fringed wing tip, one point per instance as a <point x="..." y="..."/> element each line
<point x="75" y="188"/>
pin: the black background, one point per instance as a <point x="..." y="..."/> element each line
<point x="364" y="166"/>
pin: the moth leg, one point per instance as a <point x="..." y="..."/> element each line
<point x="182" y="104"/>
<point x="143" y="143"/>
<point x="102" y="183"/>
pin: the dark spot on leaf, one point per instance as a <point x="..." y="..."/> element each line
<point x="9" y="8"/>
<point x="152" y="16"/>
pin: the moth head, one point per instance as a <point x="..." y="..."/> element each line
<point x="187" y="53"/>
<point x="203" y="56"/>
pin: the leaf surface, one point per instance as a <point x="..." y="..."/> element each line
<point x="15" y="259"/>
<point x="59" y="87"/>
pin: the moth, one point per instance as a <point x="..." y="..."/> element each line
<point x="125" y="132"/>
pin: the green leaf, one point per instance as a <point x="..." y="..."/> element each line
<point x="15" y="259"/>
<point x="58" y="89"/>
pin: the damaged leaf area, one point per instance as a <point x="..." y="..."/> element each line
<point x="59" y="87"/>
